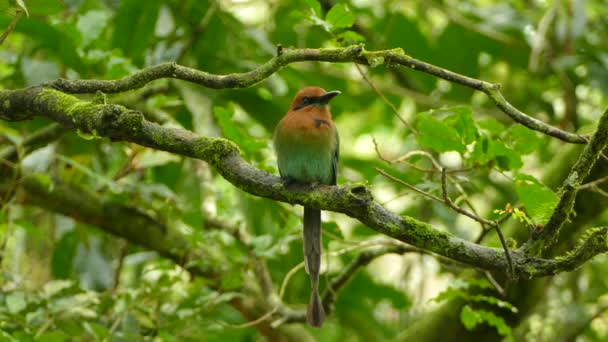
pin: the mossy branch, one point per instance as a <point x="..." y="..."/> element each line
<point x="119" y="220"/>
<point x="351" y="54"/>
<point x="121" y="124"/>
<point x="545" y="237"/>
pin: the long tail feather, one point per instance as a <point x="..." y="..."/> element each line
<point x="312" y="259"/>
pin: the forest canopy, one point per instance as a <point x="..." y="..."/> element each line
<point x="139" y="189"/>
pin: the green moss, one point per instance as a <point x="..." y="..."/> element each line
<point x="55" y="100"/>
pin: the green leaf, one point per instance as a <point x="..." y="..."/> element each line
<point x="333" y="229"/>
<point x="538" y="200"/>
<point x="53" y="336"/>
<point x="91" y="25"/>
<point x="461" y="118"/>
<point x="4" y="336"/>
<point x="10" y="134"/>
<point x="349" y="38"/>
<point x="340" y="16"/>
<point x="15" y="302"/>
<point x="469" y="317"/>
<point x="63" y="255"/>
<point x="248" y="144"/>
<point x="45" y="7"/>
<point x="491" y="125"/>
<point x="21" y="4"/>
<point x="232" y="281"/>
<point x="134" y="27"/>
<point x="506" y="158"/>
<point x="437" y="135"/>
<point x="525" y="141"/>
<point x="58" y="40"/>
<point x="314" y="5"/>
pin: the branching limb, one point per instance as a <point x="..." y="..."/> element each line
<point x="351" y="54"/>
<point x="545" y="237"/>
<point x="483" y="221"/>
<point x="119" y="123"/>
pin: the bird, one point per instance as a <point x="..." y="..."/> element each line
<point x="307" y="147"/>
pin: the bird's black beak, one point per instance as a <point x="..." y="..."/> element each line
<point x="325" y="98"/>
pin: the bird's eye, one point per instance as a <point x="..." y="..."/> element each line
<point x="306" y="100"/>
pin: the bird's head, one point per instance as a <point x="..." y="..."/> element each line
<point x="311" y="97"/>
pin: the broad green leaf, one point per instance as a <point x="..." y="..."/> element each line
<point x="314" y="5"/>
<point x="60" y="40"/>
<point x="491" y="125"/>
<point x="437" y="135"/>
<point x="53" y="336"/>
<point x="10" y="134"/>
<point x="63" y="255"/>
<point x="15" y="302"/>
<point x="340" y="16"/>
<point x="525" y="140"/>
<point x="349" y="38"/>
<point x="461" y="118"/>
<point x="134" y="27"/>
<point x="44" y="7"/>
<point x="333" y="229"/>
<point x="506" y="158"/>
<point x="248" y="144"/>
<point x="4" y="336"/>
<point x="91" y="25"/>
<point x="232" y="280"/>
<point x="538" y="200"/>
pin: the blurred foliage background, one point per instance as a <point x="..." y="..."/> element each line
<point x="64" y="280"/>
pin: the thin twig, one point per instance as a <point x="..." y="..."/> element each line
<point x="593" y="183"/>
<point x="449" y="203"/>
<point x="11" y="26"/>
<point x="429" y="195"/>
<point x="128" y="167"/>
<point x="389" y="103"/>
<point x="494" y="283"/>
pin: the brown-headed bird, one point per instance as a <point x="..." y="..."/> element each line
<point x="307" y="147"/>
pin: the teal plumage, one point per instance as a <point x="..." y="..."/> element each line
<point x="307" y="146"/>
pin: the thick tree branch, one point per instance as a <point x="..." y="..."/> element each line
<point x="351" y="54"/>
<point x="119" y="123"/>
<point x="545" y="237"/>
<point x="129" y="223"/>
<point x="592" y="244"/>
<point x="119" y="220"/>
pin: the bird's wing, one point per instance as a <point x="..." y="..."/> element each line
<point x="335" y="158"/>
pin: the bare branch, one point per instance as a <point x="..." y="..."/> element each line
<point x="351" y="54"/>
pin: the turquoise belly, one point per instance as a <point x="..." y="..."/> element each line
<point x="306" y="164"/>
